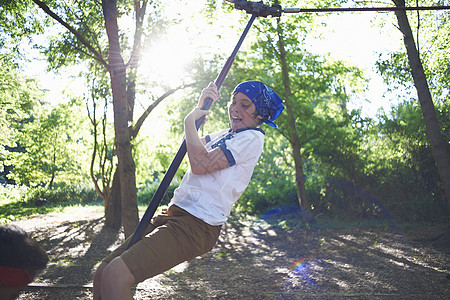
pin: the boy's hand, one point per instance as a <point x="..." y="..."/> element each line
<point x="209" y="92"/>
<point x="196" y="114"/>
<point x="166" y="211"/>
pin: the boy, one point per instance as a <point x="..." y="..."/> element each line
<point x="221" y="165"/>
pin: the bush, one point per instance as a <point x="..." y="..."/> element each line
<point x="341" y="199"/>
<point x="19" y="201"/>
<point x="263" y="195"/>
<point x="76" y="194"/>
<point x="146" y="192"/>
<point x="12" y="193"/>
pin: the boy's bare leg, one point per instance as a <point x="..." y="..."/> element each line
<point x="98" y="281"/>
<point x="116" y="281"/>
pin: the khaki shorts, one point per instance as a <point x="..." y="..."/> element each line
<point x="168" y="241"/>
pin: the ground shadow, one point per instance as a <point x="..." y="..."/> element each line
<point x="74" y="248"/>
<point x="267" y="258"/>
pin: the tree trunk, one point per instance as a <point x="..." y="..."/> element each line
<point x="122" y="117"/>
<point x="439" y="146"/>
<point x="292" y="131"/>
<point x="113" y="205"/>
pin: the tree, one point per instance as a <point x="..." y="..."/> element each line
<point x="105" y="177"/>
<point x="103" y="151"/>
<point x="310" y="85"/>
<point x="123" y="101"/>
<point x="438" y="144"/>
<point x="293" y="134"/>
<point x="91" y="32"/>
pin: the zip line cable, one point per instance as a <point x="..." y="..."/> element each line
<point x="362" y="9"/>
<point x="276" y="10"/>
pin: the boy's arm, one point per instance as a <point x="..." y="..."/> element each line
<point x="201" y="160"/>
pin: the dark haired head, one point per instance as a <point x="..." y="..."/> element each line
<point x="19" y="250"/>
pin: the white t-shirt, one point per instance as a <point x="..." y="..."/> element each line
<point x="211" y="196"/>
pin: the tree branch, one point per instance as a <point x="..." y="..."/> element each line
<point x="149" y="109"/>
<point x="49" y="12"/>
<point x="94" y="152"/>
<point x="136" y="52"/>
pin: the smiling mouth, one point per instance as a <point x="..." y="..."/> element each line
<point x="236" y="119"/>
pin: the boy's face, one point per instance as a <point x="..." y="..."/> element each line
<point x="242" y="112"/>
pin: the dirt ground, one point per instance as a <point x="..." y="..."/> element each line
<point x="267" y="258"/>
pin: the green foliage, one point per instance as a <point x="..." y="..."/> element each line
<point x="432" y="39"/>
<point x="145" y="193"/>
<point x="18" y="96"/>
<point x="54" y="147"/>
<point x="405" y="169"/>
<point x="12" y="193"/>
<point x="86" y="18"/>
<point x="395" y="70"/>
<point x="74" y="194"/>
<point x="381" y="170"/>
<point x="17" y="25"/>
<point x="354" y="167"/>
<point x="153" y="157"/>
<point x="273" y="182"/>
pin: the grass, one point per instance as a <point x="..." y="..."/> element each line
<point x="17" y="202"/>
<point x="20" y="210"/>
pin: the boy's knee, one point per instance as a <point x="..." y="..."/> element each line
<point x="98" y="280"/>
<point x="99" y="271"/>
<point x="116" y="275"/>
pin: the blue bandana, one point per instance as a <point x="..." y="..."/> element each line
<point x="268" y="104"/>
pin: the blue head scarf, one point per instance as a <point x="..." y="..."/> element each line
<point x="267" y="102"/>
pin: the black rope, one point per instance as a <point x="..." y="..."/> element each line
<point x="262" y="10"/>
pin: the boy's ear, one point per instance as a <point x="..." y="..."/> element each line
<point x="259" y="119"/>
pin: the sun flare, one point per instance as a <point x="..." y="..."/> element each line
<point x="167" y="59"/>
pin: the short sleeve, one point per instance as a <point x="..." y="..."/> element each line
<point x="245" y="147"/>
